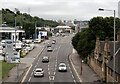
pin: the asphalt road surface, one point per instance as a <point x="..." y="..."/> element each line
<point x="61" y="51"/>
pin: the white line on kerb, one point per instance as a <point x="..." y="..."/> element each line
<point x="29" y="79"/>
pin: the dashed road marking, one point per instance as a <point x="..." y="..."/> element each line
<point x="49" y="73"/>
<point x="29" y="79"/>
<point x="70" y="71"/>
<point x="54" y="73"/>
<point x="75" y="81"/>
<point x="69" y="68"/>
<point x="35" y="66"/>
<point x="31" y="73"/>
<point x="72" y="76"/>
<point x="51" y="77"/>
<point x="48" y="69"/>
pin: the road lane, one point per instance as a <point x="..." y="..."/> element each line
<point x="61" y="50"/>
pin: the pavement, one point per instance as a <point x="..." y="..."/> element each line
<point x="88" y="75"/>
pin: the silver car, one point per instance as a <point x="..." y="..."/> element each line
<point x="38" y="72"/>
<point x="62" y="67"/>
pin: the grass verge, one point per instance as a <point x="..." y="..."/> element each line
<point x="5" y="68"/>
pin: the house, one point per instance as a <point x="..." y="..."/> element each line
<point x="9" y="33"/>
<point x="101" y="60"/>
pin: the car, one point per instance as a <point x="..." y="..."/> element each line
<point x="3" y="43"/>
<point x="45" y="59"/>
<point x="37" y="41"/>
<point x="53" y="42"/>
<point x="39" y="72"/>
<point x="62" y="67"/>
<point x="49" y="49"/>
<point x="49" y="45"/>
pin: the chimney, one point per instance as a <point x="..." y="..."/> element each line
<point x="118" y="35"/>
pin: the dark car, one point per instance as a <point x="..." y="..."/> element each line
<point x="45" y="59"/>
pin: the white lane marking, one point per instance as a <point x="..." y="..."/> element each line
<point x="48" y="65"/>
<point x="54" y="73"/>
<point x="74" y="81"/>
<point x="55" y="69"/>
<point x="31" y="73"/>
<point x="72" y="76"/>
<point x="29" y="79"/>
<point x="35" y="66"/>
<point x="56" y="65"/>
<point x="70" y="71"/>
<point x="51" y="77"/>
<point x="68" y="64"/>
<point x="49" y="73"/>
<point x="69" y="68"/>
<point x="48" y="69"/>
<point x="37" y="63"/>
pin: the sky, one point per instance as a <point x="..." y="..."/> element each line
<point x="63" y="9"/>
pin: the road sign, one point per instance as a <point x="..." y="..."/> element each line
<point x="9" y="50"/>
<point x="41" y="33"/>
<point x="11" y="57"/>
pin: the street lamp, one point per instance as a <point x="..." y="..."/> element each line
<point x="100" y="9"/>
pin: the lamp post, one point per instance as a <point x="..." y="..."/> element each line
<point x="100" y="9"/>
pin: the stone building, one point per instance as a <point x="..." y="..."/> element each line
<point x="101" y="60"/>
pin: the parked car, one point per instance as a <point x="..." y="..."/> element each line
<point x="37" y="41"/>
<point x="38" y="72"/>
<point x="3" y="43"/>
<point x="45" y="59"/>
<point x="62" y="67"/>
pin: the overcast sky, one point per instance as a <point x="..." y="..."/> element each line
<point x="63" y="9"/>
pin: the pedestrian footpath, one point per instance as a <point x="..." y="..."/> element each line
<point x="87" y="75"/>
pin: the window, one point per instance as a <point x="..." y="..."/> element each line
<point x="108" y="71"/>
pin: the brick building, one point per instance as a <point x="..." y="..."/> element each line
<point x="101" y="60"/>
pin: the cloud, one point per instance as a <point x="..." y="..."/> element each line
<point x="65" y="9"/>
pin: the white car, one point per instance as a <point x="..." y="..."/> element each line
<point x="62" y="67"/>
<point x="38" y="72"/>
<point x="37" y="41"/>
<point x="3" y="43"/>
<point x="49" y="49"/>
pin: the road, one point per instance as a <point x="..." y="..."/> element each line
<point x="61" y="51"/>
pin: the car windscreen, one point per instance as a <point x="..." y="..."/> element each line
<point x="38" y="70"/>
<point x="62" y="65"/>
